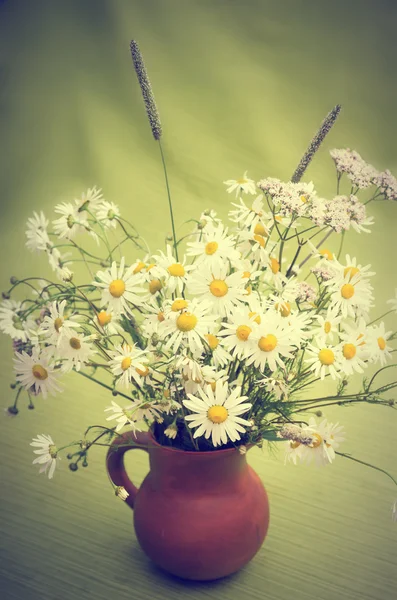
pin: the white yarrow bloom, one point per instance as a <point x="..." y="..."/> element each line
<point x="216" y="414"/>
<point x="36" y="372"/>
<point x="120" y="288"/>
<point x="47" y="452"/>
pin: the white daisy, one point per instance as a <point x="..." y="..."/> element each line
<point x="217" y="413"/>
<point x="350" y="295"/>
<point x="214" y="248"/>
<point x="353" y="354"/>
<point x="247" y="216"/>
<point x="242" y="185"/>
<point x="57" y="263"/>
<point x="174" y="272"/>
<point x="238" y="330"/>
<point x="219" y="356"/>
<point x="379" y="349"/>
<point x="213" y="285"/>
<point x="75" y="350"/>
<point x="107" y="213"/>
<point x="91" y="199"/>
<point x="36" y="233"/>
<point x="71" y="222"/>
<point x="56" y="324"/>
<point x="124" y="416"/>
<point x="272" y="342"/>
<point x="171" y="431"/>
<point x="327" y="326"/>
<point x="324" y="359"/>
<point x="108" y="323"/>
<point x="47" y="452"/>
<point x="12" y="321"/>
<point x="326" y="439"/>
<point x="36" y="372"/>
<point x="188" y="327"/>
<point x="352" y="268"/>
<point x="255" y="247"/>
<point x="120" y="288"/>
<point x="127" y="364"/>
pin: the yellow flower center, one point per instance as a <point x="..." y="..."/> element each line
<point x="260" y="229"/>
<point x="58" y="324"/>
<point x="381" y="343"/>
<point x="260" y="239"/>
<point x="155" y="286"/>
<point x="241" y="181"/>
<point x="117" y="288"/>
<point x="104" y="318"/>
<point x="246" y="275"/>
<point x="278" y="218"/>
<point x="267" y="343"/>
<point x="257" y="318"/>
<point x="349" y="351"/>
<point x="284" y="308"/>
<point x="294" y="445"/>
<point x="141" y="265"/>
<point x="326" y="253"/>
<point x="176" y="270"/>
<point x="326" y="356"/>
<point x="126" y="363"/>
<point x="248" y="289"/>
<point x="75" y="343"/>
<point x="351" y="271"/>
<point x="39" y="372"/>
<point x="347" y="291"/>
<point x="218" y="288"/>
<point x="317" y="440"/>
<point x="160" y="317"/>
<point x="166" y="393"/>
<point x="150" y="266"/>
<point x="274" y="265"/>
<point x="212" y="341"/>
<point x="186" y="322"/>
<point x="243" y="332"/>
<point x="303" y="199"/>
<point x="217" y="414"/>
<point x="143" y="372"/>
<point x="327" y="326"/>
<point x="211" y="248"/>
<point x="178" y="305"/>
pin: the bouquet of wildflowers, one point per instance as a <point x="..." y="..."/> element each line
<point x="214" y="340"/>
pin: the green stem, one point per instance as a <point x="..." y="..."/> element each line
<point x="362" y="462"/>
<point x="381" y="317"/>
<point x="169" y="201"/>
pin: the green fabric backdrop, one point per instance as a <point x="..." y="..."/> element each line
<point x="240" y="85"/>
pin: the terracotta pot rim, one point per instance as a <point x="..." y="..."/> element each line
<point x="155" y="443"/>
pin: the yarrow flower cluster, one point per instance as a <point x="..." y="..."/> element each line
<point x="214" y="340"/>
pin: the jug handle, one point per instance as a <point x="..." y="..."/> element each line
<point x="115" y="460"/>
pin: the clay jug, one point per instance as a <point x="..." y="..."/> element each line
<point x="198" y="515"/>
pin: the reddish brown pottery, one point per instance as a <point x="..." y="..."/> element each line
<point x="198" y="515"/>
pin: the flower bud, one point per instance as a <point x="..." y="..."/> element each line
<point x="5" y="296"/>
<point x="13" y="280"/>
<point x="73" y="467"/>
<point x="13" y="410"/>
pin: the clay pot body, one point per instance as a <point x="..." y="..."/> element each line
<point x="198" y="515"/>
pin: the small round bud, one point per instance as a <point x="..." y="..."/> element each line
<point x="114" y="392"/>
<point x="201" y="224"/>
<point x="13" y="280"/>
<point x="69" y="456"/>
<point x="31" y="406"/>
<point x="13" y="386"/>
<point x="85" y="462"/>
<point x="318" y="413"/>
<point x="169" y="238"/>
<point x="73" y="467"/>
<point x="13" y="410"/>
<point x="345" y="382"/>
<point x="5" y="296"/>
<point x="207" y="212"/>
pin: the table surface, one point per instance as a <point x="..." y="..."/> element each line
<point x="240" y="85"/>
